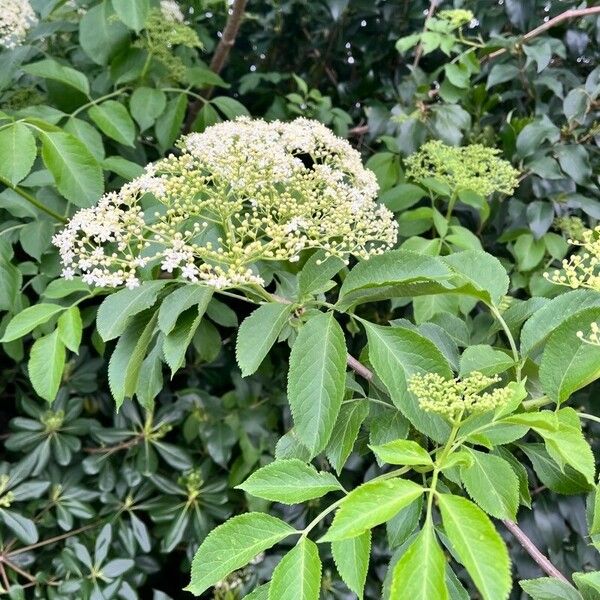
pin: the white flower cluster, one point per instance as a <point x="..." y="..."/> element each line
<point x="241" y="193"/>
<point x="16" y="18"/>
<point x="171" y="11"/>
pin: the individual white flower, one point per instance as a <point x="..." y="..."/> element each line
<point x="16" y="18"/>
<point x="241" y="193"/>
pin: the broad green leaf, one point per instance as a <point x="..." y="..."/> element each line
<point x="175" y="344"/>
<point x="371" y="504"/>
<point x="51" y="69"/>
<point x="568" y="446"/>
<point x="396" y="354"/>
<point x="491" y="482"/>
<point x="545" y="320"/>
<point x="30" y="318"/>
<point x="180" y="300"/>
<point x="85" y="132"/>
<point x="126" y="169"/>
<point x="22" y="527"/>
<point x="70" y="328"/>
<point x="126" y="361"/>
<point x="420" y="574"/>
<point x="117" y="309"/>
<point x="402" y="525"/>
<point x="230" y="107"/>
<point x="481" y="270"/>
<point x="146" y="105"/>
<point x="60" y="288"/>
<point x="101" y="34"/>
<point x="46" y="365"/>
<point x="168" y="125"/>
<point x="394" y="274"/>
<point x="588" y="584"/>
<point x="565" y="481"/>
<point x="478" y="546"/>
<point x="402" y="452"/>
<point x="316" y="380"/>
<point x="317" y="272"/>
<point x="150" y="385"/>
<point x="345" y="432"/>
<point x="549" y="588"/>
<point x="485" y="359"/>
<point x="259" y="593"/>
<point x="17" y="152"/>
<point x="298" y="575"/>
<point x="351" y="559"/>
<point x="257" y="334"/>
<point x="289" y="482"/>
<point x="569" y="364"/>
<point x="132" y="12"/>
<point x="114" y="121"/>
<point x="232" y="545"/>
<point x="77" y="174"/>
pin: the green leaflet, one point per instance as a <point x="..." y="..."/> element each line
<point x="180" y="300"/>
<point x="345" y="432"/>
<point x="290" y="482"/>
<point x="394" y="274"/>
<point x="492" y="484"/>
<point x="316" y="380"/>
<point x="549" y="588"/>
<point x="351" y="559"/>
<point x="257" y="334"/>
<point x="17" y="152"/>
<point x="298" y="575"/>
<point x="370" y="505"/>
<point x="114" y="121"/>
<point x="568" y="363"/>
<point x="402" y="452"/>
<point x="482" y="271"/>
<point x="478" y="546"/>
<point x="420" y="574"/>
<point x="397" y="353"/>
<point x="117" y="309"/>
<point x="232" y="545"/>
<point x="76" y="172"/>
<point x="46" y="364"/>
<point x="30" y="318"/>
<point x="126" y="360"/>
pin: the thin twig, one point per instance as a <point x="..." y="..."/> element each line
<point x="419" y="51"/>
<point x="531" y="549"/>
<point x="573" y="13"/>
<point x="221" y="54"/>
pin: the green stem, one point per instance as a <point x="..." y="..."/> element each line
<point x="439" y="462"/>
<point x="32" y="199"/>
<point x="97" y="101"/>
<point x="451" y="204"/>
<point x="589" y="417"/>
<point x="511" y="340"/>
<point x="184" y="91"/>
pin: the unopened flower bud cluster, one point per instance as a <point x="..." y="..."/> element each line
<point x="241" y="193"/>
<point x="581" y="270"/>
<point x="473" y="167"/>
<point x="453" y="397"/>
<point x="16" y="19"/>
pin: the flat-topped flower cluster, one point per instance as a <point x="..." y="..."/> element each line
<point x="240" y="193"/>
<point x="451" y="398"/>
<point x="475" y="167"/>
<point x="16" y="19"/>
